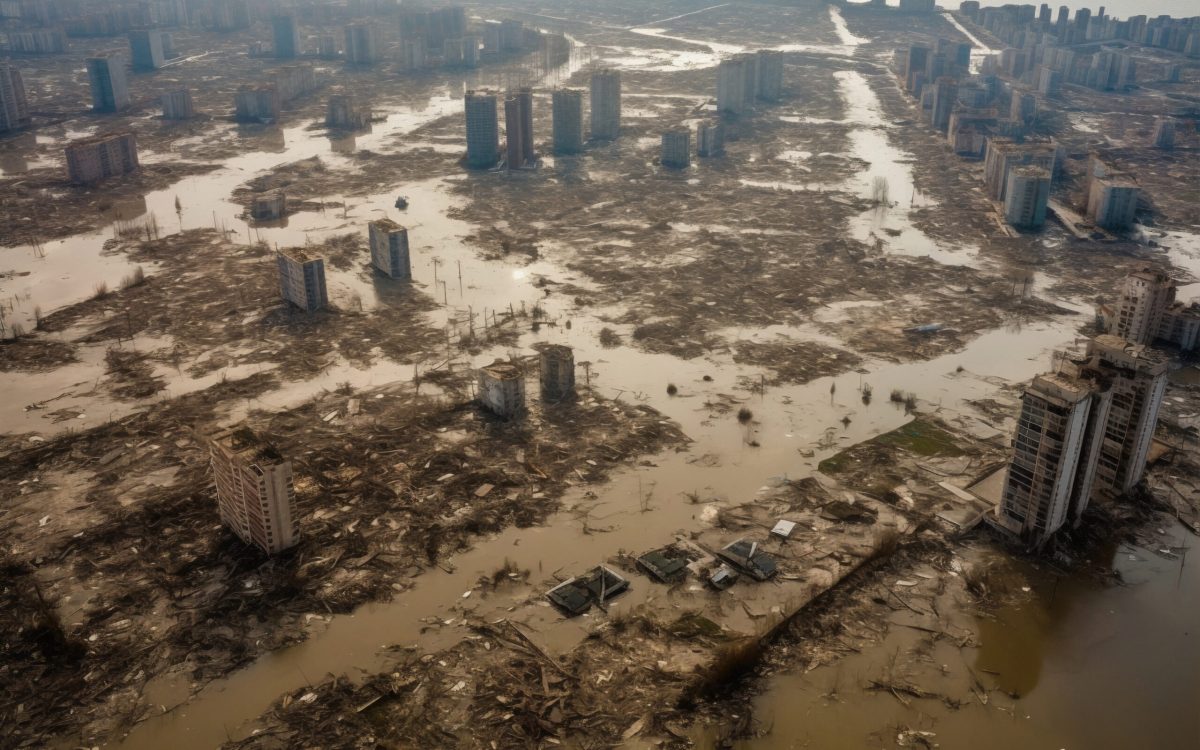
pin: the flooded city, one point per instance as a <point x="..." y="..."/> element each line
<point x="763" y="374"/>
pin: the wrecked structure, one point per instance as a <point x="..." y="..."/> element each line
<point x="1146" y="312"/>
<point x="710" y="139"/>
<point x="518" y="128"/>
<point x="502" y="389"/>
<point x="1026" y="197"/>
<point x="94" y="159"/>
<point x="148" y="48"/>
<point x="253" y="484"/>
<point x="606" y="104"/>
<point x="302" y="279"/>
<point x="1005" y="154"/>
<point x="1113" y="201"/>
<point x="110" y="90"/>
<point x="557" y="372"/>
<point x="389" y="249"/>
<point x="256" y="104"/>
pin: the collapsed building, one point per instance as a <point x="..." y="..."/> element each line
<point x="94" y="159"/>
<point x="502" y="389"/>
<point x="1146" y="312"/>
<point x="270" y="206"/>
<point x="302" y="279"/>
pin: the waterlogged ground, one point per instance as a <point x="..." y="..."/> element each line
<point x="772" y="266"/>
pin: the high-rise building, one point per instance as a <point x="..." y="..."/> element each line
<point x="1026" y="197"/>
<point x="14" y="107"/>
<point x="302" y="279"/>
<point x="364" y="45"/>
<point x="253" y="483"/>
<point x="110" y="92"/>
<point x="1139" y="379"/>
<point x="1023" y="107"/>
<point x="412" y="54"/>
<point x="710" y="138"/>
<point x="286" y="35"/>
<point x="736" y="78"/>
<point x="483" y="129"/>
<point x="1112" y="202"/>
<point x="768" y="84"/>
<point x="146" y="48"/>
<point x="606" y="104"/>
<point x="37" y="41"/>
<point x="1145" y="296"/>
<point x="343" y="112"/>
<point x="1050" y="439"/>
<point x="945" y="94"/>
<point x="518" y="128"/>
<point x="177" y="105"/>
<point x="567" y="114"/>
<point x="256" y="104"/>
<point x="91" y="160"/>
<point x="389" y="249"/>
<point x="229" y="15"/>
<point x="677" y="148"/>
<point x="1164" y="133"/>
<point x="1003" y="155"/>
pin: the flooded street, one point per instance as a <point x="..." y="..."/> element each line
<point x="1065" y="665"/>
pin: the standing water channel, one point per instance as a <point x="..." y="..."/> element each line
<point x="791" y="421"/>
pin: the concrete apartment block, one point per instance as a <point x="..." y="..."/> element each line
<point x="710" y="139"/>
<point x="606" y="104"/>
<point x="253" y="484"/>
<point x="502" y="389"/>
<point x="1164" y="133"/>
<point x="146" y="49"/>
<point x="1026" y="197"/>
<point x="364" y="43"/>
<point x="768" y="84"/>
<point x="14" y="107"/>
<point x="302" y="279"/>
<point x="270" y="206"/>
<point x="389" y="249"/>
<point x="256" y="104"/>
<point x="94" y="159"/>
<point x="1112" y="202"/>
<point x="731" y="85"/>
<point x="1138" y="375"/>
<point x="343" y="113"/>
<point x="177" y="105"/>
<point x="1144" y="298"/>
<point x="286" y="36"/>
<point x="677" y="148"/>
<point x="37" y="41"/>
<point x="557" y="372"/>
<point x="110" y="91"/>
<point x="518" y="128"/>
<point x="567" y="115"/>
<point x="483" y="129"/>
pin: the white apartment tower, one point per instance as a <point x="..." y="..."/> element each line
<point x="1139" y="380"/>
<point x="1145" y="296"/>
<point x="255" y="497"/>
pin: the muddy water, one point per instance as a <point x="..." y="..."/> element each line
<point x="721" y="466"/>
<point x="1094" y="666"/>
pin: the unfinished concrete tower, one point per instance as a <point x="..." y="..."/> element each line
<point x="768" y="84"/>
<point x="677" y="148"/>
<point x="389" y="249"/>
<point x="502" y="389"/>
<point x="110" y="91"/>
<point x="177" y="105"/>
<point x="567" y="111"/>
<point x="253" y="482"/>
<point x="483" y="129"/>
<point x="557" y="372"/>
<point x="606" y="104"/>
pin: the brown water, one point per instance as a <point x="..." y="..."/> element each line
<point x="1094" y="666"/>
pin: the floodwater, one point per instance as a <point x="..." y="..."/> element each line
<point x="1093" y="666"/>
<point x="728" y="462"/>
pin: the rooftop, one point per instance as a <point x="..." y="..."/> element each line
<point x="301" y="254"/>
<point x="501" y="370"/>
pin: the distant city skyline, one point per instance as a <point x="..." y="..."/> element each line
<point x="1119" y="8"/>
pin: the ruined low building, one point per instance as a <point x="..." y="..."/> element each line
<point x="557" y="367"/>
<point x="389" y="249"/>
<point x="255" y="496"/>
<point x="94" y="159"/>
<point x="710" y="139"/>
<point x="302" y="279"/>
<point x="177" y="105"/>
<point x="502" y="389"/>
<point x="269" y="206"/>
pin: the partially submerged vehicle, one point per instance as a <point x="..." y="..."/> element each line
<point x="666" y="565"/>
<point x="575" y="596"/>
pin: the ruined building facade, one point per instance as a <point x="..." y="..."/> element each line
<point x="14" y="107"/>
<point x="389" y="249"/>
<point x="302" y="279"/>
<point x="255" y="497"/>
<point x="94" y="159"/>
<point x="502" y="389"/>
<point x="557" y="371"/>
<point x="483" y="129"/>
<point x="606" y="104"/>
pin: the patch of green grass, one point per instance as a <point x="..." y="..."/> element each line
<point x="919" y="436"/>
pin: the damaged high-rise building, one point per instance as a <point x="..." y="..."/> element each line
<point x="1146" y="312"/>
<point x="286" y="36"/>
<point x="389" y="249"/>
<point x="1026" y="197"/>
<point x="94" y="159"/>
<point x="14" y="107"/>
<point x="302" y="279"/>
<point x="177" y="105"/>
<point x="147" y="48"/>
<point x="736" y="81"/>
<point x="606" y="104"/>
<point x="364" y="43"/>
<point x="710" y="138"/>
<point x="110" y="89"/>
<point x="483" y="129"/>
<point x="768" y="84"/>
<point x="518" y="128"/>
<point x="567" y="115"/>
<point x="255" y="495"/>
